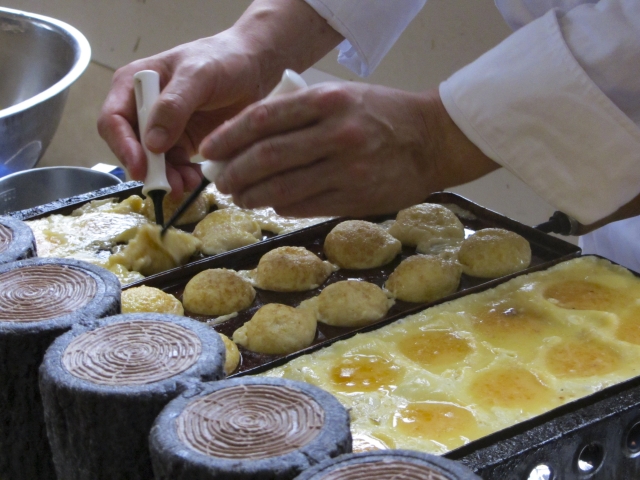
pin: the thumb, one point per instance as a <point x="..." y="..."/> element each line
<point x="168" y="118"/>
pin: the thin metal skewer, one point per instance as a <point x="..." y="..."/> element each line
<point x="176" y="215"/>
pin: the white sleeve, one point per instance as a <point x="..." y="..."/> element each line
<point x="370" y="28"/>
<point x="558" y="104"/>
<point x="617" y="241"/>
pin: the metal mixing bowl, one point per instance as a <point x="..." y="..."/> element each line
<point x="40" y="58"/>
<point x="38" y="186"/>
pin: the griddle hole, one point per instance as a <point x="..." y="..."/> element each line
<point x="633" y="440"/>
<point x="590" y="458"/>
<point x="541" y="472"/>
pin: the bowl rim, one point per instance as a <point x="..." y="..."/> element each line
<point x="80" y="65"/>
<point x="59" y="167"/>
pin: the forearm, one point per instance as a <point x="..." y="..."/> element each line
<point x="454" y="158"/>
<point x="284" y="34"/>
<point x="530" y="105"/>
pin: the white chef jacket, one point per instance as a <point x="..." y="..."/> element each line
<point x="557" y="103"/>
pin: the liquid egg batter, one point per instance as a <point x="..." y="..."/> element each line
<point x="463" y="369"/>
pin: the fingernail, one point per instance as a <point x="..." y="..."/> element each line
<point x="157" y="138"/>
<point x="221" y="183"/>
<point x="208" y="148"/>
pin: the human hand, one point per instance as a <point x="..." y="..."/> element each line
<point x="342" y="149"/>
<point x="205" y="82"/>
<point x="197" y="94"/>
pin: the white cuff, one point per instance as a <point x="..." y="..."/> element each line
<point x="370" y="28"/>
<point x="530" y="106"/>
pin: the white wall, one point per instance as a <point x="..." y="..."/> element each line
<point x="446" y="35"/>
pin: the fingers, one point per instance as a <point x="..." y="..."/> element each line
<point x="362" y="153"/>
<point x="284" y="133"/>
<point x="260" y="120"/>
<point x="122" y="140"/>
<point x="290" y="187"/>
<point x="185" y="176"/>
<point x="185" y="93"/>
<point x="276" y="154"/>
<point x="117" y="123"/>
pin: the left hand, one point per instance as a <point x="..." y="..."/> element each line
<point x="347" y="149"/>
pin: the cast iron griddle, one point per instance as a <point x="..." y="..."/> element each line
<point x="596" y="437"/>
<point x="546" y="251"/>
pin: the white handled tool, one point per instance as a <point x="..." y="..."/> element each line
<point x="147" y="89"/>
<point x="211" y="169"/>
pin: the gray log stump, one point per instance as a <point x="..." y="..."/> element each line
<point x="389" y="465"/>
<point x="39" y="300"/>
<point x="102" y="388"/>
<point x="16" y="240"/>
<point x="248" y="428"/>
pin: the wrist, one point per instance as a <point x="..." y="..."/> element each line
<point x="281" y="34"/>
<point x="453" y="158"/>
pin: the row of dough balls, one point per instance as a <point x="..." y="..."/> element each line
<point x="274" y="328"/>
<point x="488" y="253"/>
<point x="355" y="244"/>
<point x="359" y="244"/>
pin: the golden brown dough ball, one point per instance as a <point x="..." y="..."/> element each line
<point x="494" y="252"/>
<point x="426" y="224"/>
<point x="277" y="329"/>
<point x="227" y="229"/>
<point x="357" y="244"/>
<point x="291" y="269"/>
<point x="196" y="211"/>
<point x="349" y="303"/>
<point x="150" y="299"/>
<point x="232" y="355"/>
<point x="217" y="291"/>
<point x="424" y="278"/>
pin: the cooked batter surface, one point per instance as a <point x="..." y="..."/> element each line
<point x="461" y="370"/>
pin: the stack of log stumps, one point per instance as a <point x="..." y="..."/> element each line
<point x="16" y="240"/>
<point x="103" y="385"/>
<point x="248" y="428"/>
<point x="40" y="299"/>
<point x="389" y="465"/>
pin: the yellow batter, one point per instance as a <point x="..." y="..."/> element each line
<point x="461" y="370"/>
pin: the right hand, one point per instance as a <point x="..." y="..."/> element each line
<point x="202" y="84"/>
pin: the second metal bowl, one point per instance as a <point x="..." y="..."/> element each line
<point x="40" y="57"/>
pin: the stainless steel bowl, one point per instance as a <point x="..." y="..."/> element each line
<point x="40" y="58"/>
<point x="38" y="186"/>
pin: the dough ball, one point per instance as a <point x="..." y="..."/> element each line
<point x="232" y="355"/>
<point x="148" y="253"/>
<point x="277" y="329"/>
<point x="357" y="244"/>
<point x="494" y="252"/>
<point x="196" y="211"/>
<point x="426" y="224"/>
<point x="349" y="303"/>
<point x="150" y="299"/>
<point x="424" y="278"/>
<point x="217" y="291"/>
<point x="227" y="229"/>
<point x="291" y="269"/>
